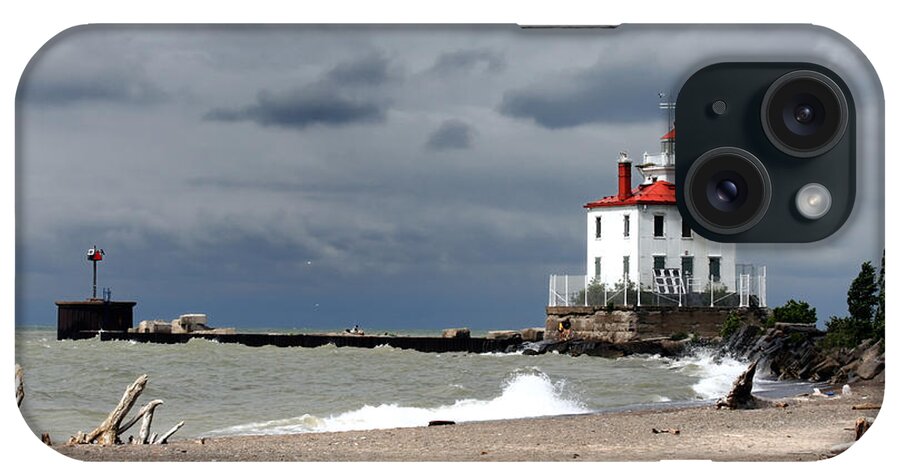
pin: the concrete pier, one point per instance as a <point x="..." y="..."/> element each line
<point x="421" y="344"/>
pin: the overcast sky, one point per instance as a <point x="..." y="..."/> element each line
<point x="406" y="177"/>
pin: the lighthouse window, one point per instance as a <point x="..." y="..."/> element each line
<point x="626" y="264"/>
<point x="687" y="266"/>
<point x="597" y="266"/>
<point x="659" y="262"/>
<point x="685" y="229"/>
<point x="659" y="222"/>
<point x="627" y="225"/>
<point x="597" y="227"/>
<point x="715" y="269"/>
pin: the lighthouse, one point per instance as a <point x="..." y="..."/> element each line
<point x="637" y="234"/>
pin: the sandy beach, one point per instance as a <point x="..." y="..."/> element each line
<point x="807" y="428"/>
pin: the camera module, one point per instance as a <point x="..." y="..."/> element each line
<point x="728" y="190"/>
<point x="804" y="113"/>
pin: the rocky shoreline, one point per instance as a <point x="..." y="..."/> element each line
<point x="784" y="351"/>
<point x="665" y="347"/>
<point x="794" y="352"/>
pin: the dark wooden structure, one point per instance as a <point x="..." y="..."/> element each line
<point x="82" y="319"/>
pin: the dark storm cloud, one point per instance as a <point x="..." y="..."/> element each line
<point x="333" y="100"/>
<point x="236" y="220"/>
<point x="452" y="134"/>
<point x="305" y="107"/>
<point x="372" y="70"/>
<point x="99" y="85"/>
<point x="600" y="94"/>
<point x="467" y="60"/>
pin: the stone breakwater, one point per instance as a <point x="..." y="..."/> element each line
<point x="610" y="332"/>
<point x="617" y="326"/>
<point x="794" y="352"/>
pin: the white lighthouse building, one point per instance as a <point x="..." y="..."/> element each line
<point x="639" y="229"/>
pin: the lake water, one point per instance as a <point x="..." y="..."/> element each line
<point x="230" y="389"/>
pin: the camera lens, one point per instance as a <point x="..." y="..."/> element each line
<point x="804" y="113"/>
<point x="727" y="190"/>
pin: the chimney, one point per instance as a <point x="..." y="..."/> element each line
<point x="624" y="176"/>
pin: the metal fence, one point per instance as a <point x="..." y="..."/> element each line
<point x="748" y="289"/>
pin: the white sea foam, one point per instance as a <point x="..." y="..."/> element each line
<point x="525" y="394"/>
<point x="717" y="374"/>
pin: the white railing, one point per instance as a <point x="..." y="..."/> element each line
<point x="747" y="289"/>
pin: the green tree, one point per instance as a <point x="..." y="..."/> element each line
<point x="840" y="332"/>
<point x="862" y="304"/>
<point x="798" y="312"/>
<point x="862" y="299"/>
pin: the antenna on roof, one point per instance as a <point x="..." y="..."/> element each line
<point x="669" y="107"/>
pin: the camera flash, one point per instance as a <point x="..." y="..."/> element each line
<point x="813" y="201"/>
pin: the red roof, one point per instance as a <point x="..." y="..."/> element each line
<point x="669" y="135"/>
<point x="656" y="193"/>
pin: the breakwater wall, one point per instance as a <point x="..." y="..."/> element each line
<point x="600" y="324"/>
<point x="421" y="344"/>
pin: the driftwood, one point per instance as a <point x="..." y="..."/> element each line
<point x="862" y="424"/>
<point x="165" y="436"/>
<point x="148" y="408"/>
<point x="109" y="431"/>
<point x="441" y="422"/>
<point x="674" y="431"/>
<point x="867" y="406"/>
<point x="147" y="414"/>
<point x="740" y="394"/>
<point x="20" y="384"/>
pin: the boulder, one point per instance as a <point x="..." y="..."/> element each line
<point x="504" y="335"/>
<point x="187" y="323"/>
<point x="194" y="319"/>
<point x="825" y="369"/>
<point x="871" y="363"/>
<point x="153" y="327"/>
<point x="532" y="334"/>
<point x="456" y="333"/>
<point x="184" y="325"/>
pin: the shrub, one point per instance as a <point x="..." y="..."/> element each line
<point x="592" y="296"/>
<point x="843" y="332"/>
<point x="798" y="312"/>
<point x="795" y="338"/>
<point x="732" y="323"/>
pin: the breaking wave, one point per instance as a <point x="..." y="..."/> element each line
<point x="527" y="393"/>
<point x="716" y="374"/>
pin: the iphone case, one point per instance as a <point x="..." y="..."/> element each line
<point x="421" y="243"/>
